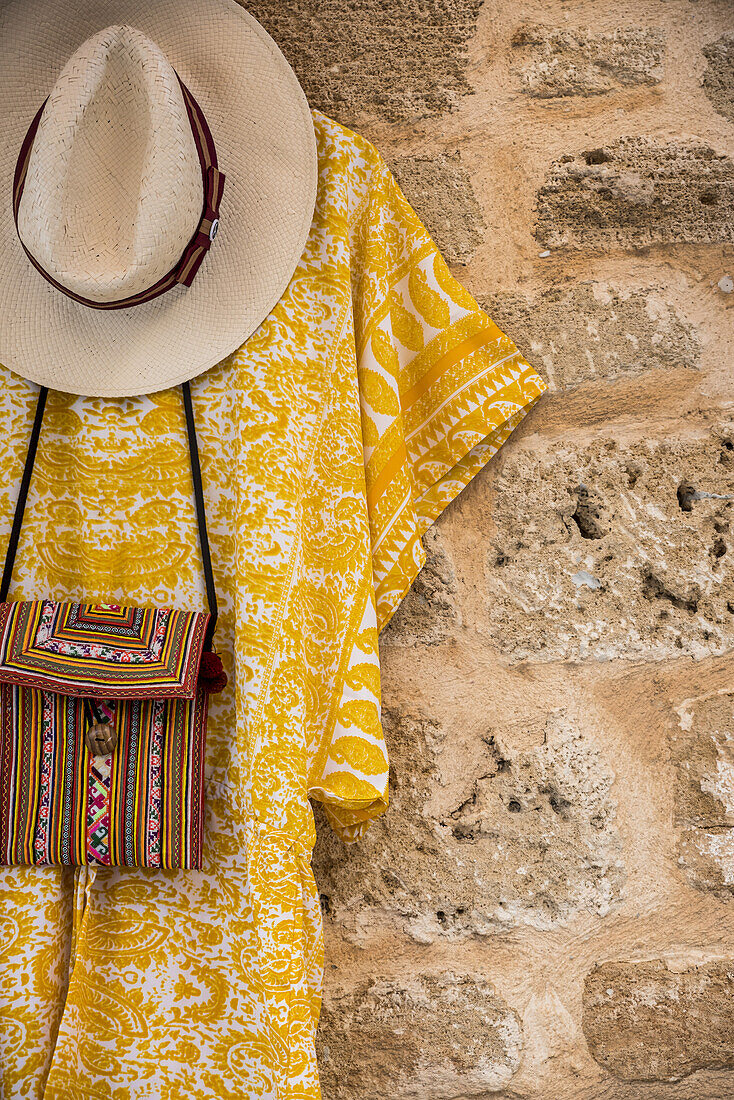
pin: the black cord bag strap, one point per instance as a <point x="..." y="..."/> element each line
<point x="30" y="459"/>
<point x="206" y="558"/>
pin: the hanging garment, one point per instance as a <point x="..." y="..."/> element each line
<point x="330" y="441"/>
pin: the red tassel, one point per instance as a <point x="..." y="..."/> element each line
<point x="212" y="676"/>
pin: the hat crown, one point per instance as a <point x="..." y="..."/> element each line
<point x="113" y="191"/>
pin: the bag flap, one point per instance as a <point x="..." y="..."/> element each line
<point x="101" y="649"/>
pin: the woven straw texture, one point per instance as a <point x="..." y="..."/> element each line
<point x="114" y="191"/>
<point x="106" y="210"/>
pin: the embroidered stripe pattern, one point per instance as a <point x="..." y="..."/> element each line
<point x="93" y="649"/>
<point x="141" y="806"/>
<point x="98" y="809"/>
<point x="155" y="772"/>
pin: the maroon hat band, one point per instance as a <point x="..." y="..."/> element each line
<point x="197" y="248"/>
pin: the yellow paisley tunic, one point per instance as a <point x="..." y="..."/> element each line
<point x="331" y="440"/>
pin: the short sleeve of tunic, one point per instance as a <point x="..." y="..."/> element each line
<point x="440" y="388"/>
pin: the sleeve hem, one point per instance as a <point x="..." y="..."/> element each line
<point x="430" y="504"/>
<point x="456" y="475"/>
<point x="349" y="820"/>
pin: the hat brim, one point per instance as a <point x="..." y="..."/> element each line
<point x="266" y="146"/>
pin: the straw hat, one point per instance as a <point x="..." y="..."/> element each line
<point x="149" y="113"/>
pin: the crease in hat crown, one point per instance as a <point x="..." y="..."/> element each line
<point x="113" y="191"/>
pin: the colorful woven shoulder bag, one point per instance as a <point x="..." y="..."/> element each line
<point x="103" y="713"/>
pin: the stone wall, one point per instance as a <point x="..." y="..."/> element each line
<point x="547" y="909"/>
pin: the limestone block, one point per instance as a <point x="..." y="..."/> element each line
<point x="553" y="1043"/>
<point x="428" y="614"/>
<point x="614" y="550"/>
<point x="644" y="1021"/>
<point x="579" y="62"/>
<point x="440" y="191"/>
<point x="636" y="192"/>
<point x="595" y="331"/>
<point x="702" y="749"/>
<point x="400" y="61"/>
<point x="518" y="829"/>
<point x="430" y="1037"/>
<point x="718" y="80"/>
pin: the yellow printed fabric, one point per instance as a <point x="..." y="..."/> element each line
<point x="330" y="441"/>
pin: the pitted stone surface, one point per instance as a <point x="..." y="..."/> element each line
<point x="594" y="331"/>
<point x="428" y="615"/>
<point x="637" y="192"/>
<point x="718" y="80"/>
<point x="521" y="831"/>
<point x="646" y="1022"/>
<point x="440" y="191"/>
<point x="397" y="61"/>
<point x="577" y="62"/>
<point x="702" y="750"/>
<point x="441" y="1037"/>
<point x="614" y="550"/>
